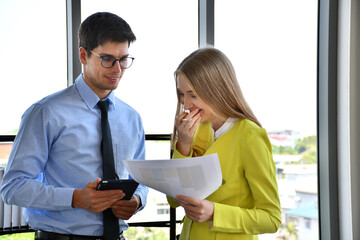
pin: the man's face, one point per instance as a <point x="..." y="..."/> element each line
<point x="103" y="80"/>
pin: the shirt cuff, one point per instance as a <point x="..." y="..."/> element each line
<point x="63" y="198"/>
<point x="142" y="192"/>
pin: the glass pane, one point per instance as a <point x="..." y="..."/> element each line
<point x="33" y="50"/>
<point x="164" y="38"/>
<point x="5" y="148"/>
<point x="272" y="45"/>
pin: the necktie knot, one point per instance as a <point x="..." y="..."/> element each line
<point x="104" y="106"/>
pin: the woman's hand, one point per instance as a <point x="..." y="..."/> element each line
<point x="196" y="210"/>
<point x="186" y="124"/>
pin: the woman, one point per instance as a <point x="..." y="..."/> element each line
<point x="213" y="117"/>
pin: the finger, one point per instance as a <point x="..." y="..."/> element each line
<point x="122" y="209"/>
<point x="188" y="200"/>
<point x="193" y="119"/>
<point x="180" y="117"/>
<point x="94" y="183"/>
<point x="190" y="116"/>
<point x="194" y="125"/>
<point x="97" y="181"/>
<point x="187" y="115"/>
<point x="124" y="204"/>
<point x="193" y="113"/>
<point x="110" y="194"/>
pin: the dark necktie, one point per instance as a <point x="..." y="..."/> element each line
<point x="111" y="223"/>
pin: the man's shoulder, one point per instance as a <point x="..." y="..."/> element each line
<point x="55" y="102"/>
<point x="123" y="106"/>
<point x="61" y="96"/>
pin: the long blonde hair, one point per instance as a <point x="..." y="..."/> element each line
<point x="212" y="77"/>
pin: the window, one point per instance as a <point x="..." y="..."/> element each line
<point x="273" y="47"/>
<point x="163" y="208"/>
<point x="307" y="222"/>
<point x="164" y="38"/>
<point x="33" y="65"/>
<point x="33" y="62"/>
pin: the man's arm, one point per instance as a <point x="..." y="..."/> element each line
<point x="142" y="191"/>
<point x="22" y="185"/>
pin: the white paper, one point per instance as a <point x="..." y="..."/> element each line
<point x="196" y="177"/>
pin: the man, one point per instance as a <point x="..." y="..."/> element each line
<point x="56" y="161"/>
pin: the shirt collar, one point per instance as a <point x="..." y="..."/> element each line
<point x="229" y="123"/>
<point x="89" y="96"/>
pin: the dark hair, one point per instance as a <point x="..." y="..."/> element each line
<point x="101" y="27"/>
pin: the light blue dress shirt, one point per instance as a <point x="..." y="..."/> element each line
<point x="57" y="150"/>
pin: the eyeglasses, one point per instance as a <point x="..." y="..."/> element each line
<point x="109" y="61"/>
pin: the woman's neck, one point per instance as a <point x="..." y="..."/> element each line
<point x="216" y="124"/>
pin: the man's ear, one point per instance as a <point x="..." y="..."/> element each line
<point x="83" y="55"/>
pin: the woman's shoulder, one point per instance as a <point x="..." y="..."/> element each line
<point x="247" y="129"/>
<point x="248" y="125"/>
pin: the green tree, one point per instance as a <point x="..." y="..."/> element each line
<point x="282" y="150"/>
<point x="305" y="147"/>
<point x="145" y="233"/>
<point x="289" y="231"/>
<point x="18" y="236"/>
<point x="305" y="144"/>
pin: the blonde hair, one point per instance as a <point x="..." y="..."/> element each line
<point x="212" y="77"/>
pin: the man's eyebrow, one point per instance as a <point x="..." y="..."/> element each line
<point x="109" y="55"/>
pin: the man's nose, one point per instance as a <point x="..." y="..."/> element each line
<point x="116" y="67"/>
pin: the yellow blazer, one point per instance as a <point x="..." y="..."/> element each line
<point x="247" y="203"/>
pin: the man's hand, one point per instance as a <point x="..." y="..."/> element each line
<point x="95" y="201"/>
<point x="124" y="209"/>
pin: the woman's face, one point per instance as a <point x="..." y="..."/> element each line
<point x="192" y="102"/>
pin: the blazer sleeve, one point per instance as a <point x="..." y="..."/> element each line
<point x="260" y="173"/>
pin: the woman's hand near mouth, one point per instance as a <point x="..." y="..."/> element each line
<point x="186" y="124"/>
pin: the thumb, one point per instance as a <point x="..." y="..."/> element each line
<point x="97" y="180"/>
<point x="94" y="183"/>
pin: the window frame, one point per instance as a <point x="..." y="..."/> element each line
<point x="327" y="120"/>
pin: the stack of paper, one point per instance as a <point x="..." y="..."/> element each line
<point x="196" y="177"/>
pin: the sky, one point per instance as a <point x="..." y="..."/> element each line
<point x="273" y="52"/>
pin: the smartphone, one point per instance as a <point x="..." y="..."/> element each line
<point x="128" y="186"/>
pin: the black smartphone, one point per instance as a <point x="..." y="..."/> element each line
<point x="128" y="186"/>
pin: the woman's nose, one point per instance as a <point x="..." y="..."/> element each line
<point x="187" y="103"/>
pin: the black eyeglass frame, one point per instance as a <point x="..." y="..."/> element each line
<point x="114" y="60"/>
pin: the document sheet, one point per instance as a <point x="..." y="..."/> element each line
<point x="195" y="177"/>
